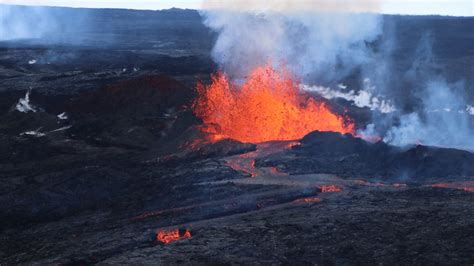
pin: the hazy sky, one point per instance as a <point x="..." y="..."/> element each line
<point x="441" y="7"/>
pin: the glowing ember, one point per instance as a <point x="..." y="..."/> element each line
<point x="268" y="106"/>
<point x="330" y="188"/>
<point x="308" y="200"/>
<point x="166" y="237"/>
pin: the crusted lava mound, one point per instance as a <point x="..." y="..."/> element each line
<point x="345" y="155"/>
<point x="144" y="113"/>
<point x="142" y="95"/>
<point x="137" y="113"/>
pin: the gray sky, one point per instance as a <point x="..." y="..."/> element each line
<point x="415" y="7"/>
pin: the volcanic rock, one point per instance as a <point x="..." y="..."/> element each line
<point x="99" y="191"/>
<point x="134" y="113"/>
<point x="142" y="95"/>
<point x="345" y="155"/>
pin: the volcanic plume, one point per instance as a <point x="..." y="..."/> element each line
<point x="267" y="106"/>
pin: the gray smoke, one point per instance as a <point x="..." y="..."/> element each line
<point x="313" y="44"/>
<point x="443" y="121"/>
<point x="24" y="22"/>
<point x="442" y="117"/>
<point x="51" y="25"/>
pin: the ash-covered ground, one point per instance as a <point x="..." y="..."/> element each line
<point x="98" y="153"/>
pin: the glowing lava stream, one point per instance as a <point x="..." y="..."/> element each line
<point x="267" y="107"/>
<point x="246" y="162"/>
<point x="467" y="186"/>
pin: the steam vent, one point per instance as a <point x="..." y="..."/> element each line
<point x="236" y="132"/>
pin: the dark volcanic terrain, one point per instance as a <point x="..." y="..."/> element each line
<point x="99" y="150"/>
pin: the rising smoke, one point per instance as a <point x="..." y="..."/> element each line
<point x="25" y="22"/>
<point x="46" y="24"/>
<point x="316" y="39"/>
<point x="443" y="117"/>
<point x="364" y="98"/>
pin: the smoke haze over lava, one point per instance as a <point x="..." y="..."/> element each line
<point x="327" y="42"/>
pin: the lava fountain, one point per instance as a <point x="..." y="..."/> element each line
<point x="266" y="107"/>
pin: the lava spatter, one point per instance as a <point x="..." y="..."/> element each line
<point x="266" y="107"/>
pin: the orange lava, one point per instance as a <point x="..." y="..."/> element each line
<point x="268" y="106"/>
<point x="244" y="163"/>
<point x="166" y="237"/>
<point x="330" y="188"/>
<point x="467" y="186"/>
<point x="308" y="200"/>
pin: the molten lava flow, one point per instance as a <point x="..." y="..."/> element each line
<point x="171" y="236"/>
<point x="308" y="200"/>
<point x="268" y="106"/>
<point x="244" y="163"/>
<point x="467" y="186"/>
<point x="330" y="188"/>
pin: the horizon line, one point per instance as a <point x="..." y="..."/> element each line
<point x="198" y="9"/>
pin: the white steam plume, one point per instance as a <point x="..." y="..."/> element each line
<point x="441" y="119"/>
<point x="294" y="5"/>
<point x="49" y="24"/>
<point x="470" y="109"/>
<point x="318" y="40"/>
<point x="24" y="105"/>
<point x="436" y="124"/>
<point x="17" y="22"/>
<point x="362" y="98"/>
